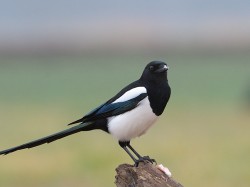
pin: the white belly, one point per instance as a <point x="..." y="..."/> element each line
<point x="133" y="123"/>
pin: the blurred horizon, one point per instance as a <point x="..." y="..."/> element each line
<point x="76" y="27"/>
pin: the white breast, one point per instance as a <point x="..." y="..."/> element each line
<point x="133" y="123"/>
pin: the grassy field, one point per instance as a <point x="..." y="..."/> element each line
<point x="202" y="137"/>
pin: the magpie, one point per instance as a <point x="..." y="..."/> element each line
<point x="127" y="115"/>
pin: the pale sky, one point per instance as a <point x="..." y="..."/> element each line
<point x="38" y="19"/>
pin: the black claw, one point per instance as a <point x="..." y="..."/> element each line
<point x="147" y="158"/>
<point x="144" y="159"/>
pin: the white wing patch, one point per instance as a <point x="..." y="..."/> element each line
<point x="131" y="94"/>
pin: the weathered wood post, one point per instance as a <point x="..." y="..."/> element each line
<point x="145" y="175"/>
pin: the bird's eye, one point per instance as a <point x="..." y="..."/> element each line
<point x="151" y="68"/>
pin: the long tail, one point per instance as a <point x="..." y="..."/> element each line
<point x="47" y="139"/>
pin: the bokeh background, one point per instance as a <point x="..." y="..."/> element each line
<point x="59" y="59"/>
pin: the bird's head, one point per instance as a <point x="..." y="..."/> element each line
<point x="155" y="71"/>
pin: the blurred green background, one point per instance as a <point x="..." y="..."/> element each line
<point x="57" y="62"/>
<point x="203" y="136"/>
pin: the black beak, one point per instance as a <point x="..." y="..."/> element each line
<point x="163" y="68"/>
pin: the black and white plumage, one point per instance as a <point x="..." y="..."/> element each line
<point x="127" y="115"/>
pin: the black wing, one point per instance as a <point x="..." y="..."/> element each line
<point x="111" y="109"/>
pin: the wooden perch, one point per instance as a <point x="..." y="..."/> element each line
<point x="145" y="175"/>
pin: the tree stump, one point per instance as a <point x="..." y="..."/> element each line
<point x="145" y="175"/>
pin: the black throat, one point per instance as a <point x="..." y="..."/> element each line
<point x="159" y="93"/>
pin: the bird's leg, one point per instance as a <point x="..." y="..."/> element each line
<point x="140" y="158"/>
<point x="124" y="146"/>
<point x="134" y="151"/>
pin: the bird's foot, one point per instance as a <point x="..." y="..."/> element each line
<point x="144" y="159"/>
<point x="147" y="158"/>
